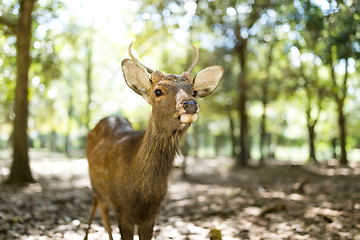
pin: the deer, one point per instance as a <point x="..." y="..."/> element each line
<point x="129" y="170"/>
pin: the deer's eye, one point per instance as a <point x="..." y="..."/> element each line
<point x="158" y="92"/>
<point x="195" y="93"/>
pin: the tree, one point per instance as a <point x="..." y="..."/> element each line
<point x="21" y="29"/>
<point x="314" y="93"/>
<point x="265" y="101"/>
<point x="343" y="44"/>
<point x="307" y="73"/>
<point x="234" y="21"/>
<point x="229" y="27"/>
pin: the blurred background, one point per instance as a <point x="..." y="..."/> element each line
<point x="290" y="90"/>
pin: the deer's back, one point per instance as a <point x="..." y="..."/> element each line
<point x="110" y="150"/>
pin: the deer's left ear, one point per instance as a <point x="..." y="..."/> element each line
<point x="136" y="77"/>
<point x="207" y="80"/>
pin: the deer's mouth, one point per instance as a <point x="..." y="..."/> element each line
<point x="188" y="118"/>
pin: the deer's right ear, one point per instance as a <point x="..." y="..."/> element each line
<point x="207" y="80"/>
<point x="136" y="77"/>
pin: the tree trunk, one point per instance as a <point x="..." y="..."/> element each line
<point x="20" y="169"/>
<point x="244" y="142"/>
<point x="340" y="95"/>
<point x="263" y="117"/>
<point x="242" y="160"/>
<point x="311" y="129"/>
<point x="262" y="135"/>
<point x="341" y="121"/>
<point x="333" y="144"/>
<point x="232" y="135"/>
<point x="311" y="123"/>
<point x="241" y="50"/>
<point x="265" y="92"/>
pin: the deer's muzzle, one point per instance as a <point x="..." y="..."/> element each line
<point x="191" y="109"/>
<point x="186" y="108"/>
<point x="190" y="106"/>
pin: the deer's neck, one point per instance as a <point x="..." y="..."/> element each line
<point x="156" y="158"/>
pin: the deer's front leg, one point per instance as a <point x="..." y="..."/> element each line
<point x="146" y="230"/>
<point x="126" y="228"/>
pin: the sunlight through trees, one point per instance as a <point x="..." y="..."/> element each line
<point x="290" y="89"/>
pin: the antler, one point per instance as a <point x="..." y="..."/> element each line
<point x="134" y="58"/>
<point x="195" y="61"/>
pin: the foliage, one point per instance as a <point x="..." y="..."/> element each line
<point x="292" y="51"/>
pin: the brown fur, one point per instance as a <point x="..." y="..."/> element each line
<point x="129" y="169"/>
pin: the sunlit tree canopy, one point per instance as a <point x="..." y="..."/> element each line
<point x="291" y="71"/>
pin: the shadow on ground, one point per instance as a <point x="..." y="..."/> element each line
<point x="274" y="202"/>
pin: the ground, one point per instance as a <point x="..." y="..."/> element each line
<point x="277" y="201"/>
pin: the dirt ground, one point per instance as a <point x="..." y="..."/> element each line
<point x="277" y="201"/>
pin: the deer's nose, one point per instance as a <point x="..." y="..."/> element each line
<point x="190" y="106"/>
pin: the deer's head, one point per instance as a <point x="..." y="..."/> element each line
<point x="172" y="96"/>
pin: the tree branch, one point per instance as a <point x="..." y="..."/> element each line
<point x="13" y="26"/>
<point x="7" y="23"/>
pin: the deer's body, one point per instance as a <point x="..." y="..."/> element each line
<point x="126" y="189"/>
<point x="129" y="169"/>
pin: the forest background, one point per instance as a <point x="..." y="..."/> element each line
<point x="290" y="90"/>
